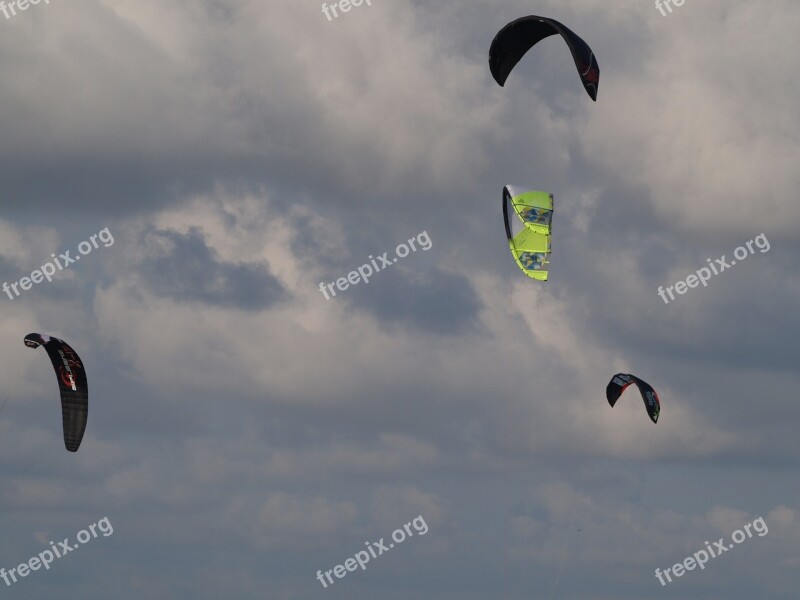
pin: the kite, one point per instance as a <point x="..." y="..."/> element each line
<point x="72" y="383"/>
<point x="515" y="39"/>
<point x="621" y="381"/>
<point x="528" y="215"/>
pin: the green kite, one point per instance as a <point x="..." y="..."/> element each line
<point x="528" y="215"/>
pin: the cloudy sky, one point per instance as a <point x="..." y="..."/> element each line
<point x="245" y="432"/>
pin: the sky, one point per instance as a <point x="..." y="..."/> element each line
<point x="249" y="431"/>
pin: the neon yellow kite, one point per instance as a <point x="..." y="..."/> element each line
<point x="528" y="215"/>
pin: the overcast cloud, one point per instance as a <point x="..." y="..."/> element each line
<point x="245" y="432"/>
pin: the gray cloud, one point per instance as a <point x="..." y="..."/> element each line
<point x="245" y="432"/>
<point x="434" y="302"/>
<point x="186" y="269"/>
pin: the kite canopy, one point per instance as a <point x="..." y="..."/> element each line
<point x="621" y="381"/>
<point x="528" y="215"/>
<point x="72" y="384"/>
<point x="515" y="39"/>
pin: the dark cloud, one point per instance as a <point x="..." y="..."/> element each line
<point x="433" y="301"/>
<point x="237" y="455"/>
<point x="185" y="268"/>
